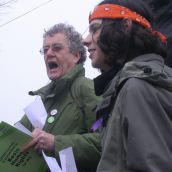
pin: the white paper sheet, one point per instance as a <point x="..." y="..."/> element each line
<point x="22" y="128"/>
<point x="36" y="113"/>
<point x="67" y="160"/>
<point x="52" y="163"/>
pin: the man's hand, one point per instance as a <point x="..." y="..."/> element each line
<point x="41" y="141"/>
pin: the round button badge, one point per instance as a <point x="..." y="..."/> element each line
<point x="53" y="112"/>
<point x="51" y="119"/>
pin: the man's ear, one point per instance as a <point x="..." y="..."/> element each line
<point x="77" y="57"/>
<point x="127" y="23"/>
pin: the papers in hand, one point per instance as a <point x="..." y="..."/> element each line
<point x="22" y="128"/>
<point x="52" y="163"/>
<point x="36" y="113"/>
<point x="66" y="156"/>
<point x="66" y="159"/>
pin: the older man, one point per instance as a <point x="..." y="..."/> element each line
<point x="68" y="99"/>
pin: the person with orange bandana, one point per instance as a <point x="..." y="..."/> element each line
<point x="135" y="115"/>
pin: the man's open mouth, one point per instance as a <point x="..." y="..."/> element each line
<point x="52" y="65"/>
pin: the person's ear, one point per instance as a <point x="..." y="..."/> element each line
<point x="77" y="57"/>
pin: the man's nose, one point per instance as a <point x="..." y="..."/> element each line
<point x="50" y="51"/>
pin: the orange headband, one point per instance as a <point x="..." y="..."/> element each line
<point x="116" y="11"/>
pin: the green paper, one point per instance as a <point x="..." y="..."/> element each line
<point x="11" y="159"/>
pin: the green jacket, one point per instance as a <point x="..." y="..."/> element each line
<point x="74" y="99"/>
<point x="137" y="103"/>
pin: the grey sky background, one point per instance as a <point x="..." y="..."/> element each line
<point x="21" y="66"/>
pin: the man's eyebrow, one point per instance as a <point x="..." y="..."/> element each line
<point x="58" y="44"/>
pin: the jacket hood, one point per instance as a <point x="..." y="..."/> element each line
<point x="149" y="67"/>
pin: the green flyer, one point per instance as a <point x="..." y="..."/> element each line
<point x="11" y="159"/>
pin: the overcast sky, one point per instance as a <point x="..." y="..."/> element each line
<point x="21" y="66"/>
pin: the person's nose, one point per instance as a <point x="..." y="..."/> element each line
<point x="87" y="40"/>
<point x="50" y="52"/>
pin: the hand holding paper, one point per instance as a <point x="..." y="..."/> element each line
<point x="51" y="162"/>
<point x="41" y="141"/>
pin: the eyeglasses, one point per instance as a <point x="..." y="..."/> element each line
<point x="54" y="47"/>
<point x="94" y="27"/>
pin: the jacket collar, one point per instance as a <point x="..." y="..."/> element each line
<point x="56" y="87"/>
<point x="101" y="82"/>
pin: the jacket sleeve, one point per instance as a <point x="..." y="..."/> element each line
<point x="147" y="128"/>
<point x="86" y="146"/>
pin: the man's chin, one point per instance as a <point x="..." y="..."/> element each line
<point x="94" y="65"/>
<point x="53" y="77"/>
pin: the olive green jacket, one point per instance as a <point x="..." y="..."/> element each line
<point x="138" y="104"/>
<point x="74" y="99"/>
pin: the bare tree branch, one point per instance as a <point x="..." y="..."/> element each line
<point x="4" y="5"/>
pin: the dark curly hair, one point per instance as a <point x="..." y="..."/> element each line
<point x="121" y="44"/>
